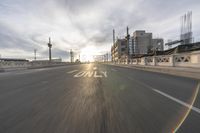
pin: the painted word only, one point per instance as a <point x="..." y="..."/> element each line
<point x="89" y="74"/>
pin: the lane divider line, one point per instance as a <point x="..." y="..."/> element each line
<point x="171" y="97"/>
<point x="189" y="106"/>
<point x="72" y="71"/>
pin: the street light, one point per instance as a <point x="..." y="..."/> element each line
<point x="35" y="50"/>
<point x="127" y="38"/>
<point x="50" y="46"/>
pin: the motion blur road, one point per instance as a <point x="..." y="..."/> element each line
<point x="97" y="98"/>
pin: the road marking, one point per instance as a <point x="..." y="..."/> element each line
<point x="80" y="74"/>
<point x="72" y="71"/>
<point x="104" y="73"/>
<point x="171" y="97"/>
<point x="113" y="69"/>
<point x="189" y="109"/>
<point x="89" y="74"/>
<point x="178" y="101"/>
<point x="189" y="106"/>
<point x="96" y="75"/>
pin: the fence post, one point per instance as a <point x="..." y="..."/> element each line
<point x="173" y="60"/>
<point x="154" y="61"/>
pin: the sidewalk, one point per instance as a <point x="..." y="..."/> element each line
<point x="178" y="71"/>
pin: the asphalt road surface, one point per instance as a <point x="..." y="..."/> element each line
<point x="97" y="98"/>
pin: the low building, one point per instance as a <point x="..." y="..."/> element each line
<point x="158" y="44"/>
<point x="119" y="50"/>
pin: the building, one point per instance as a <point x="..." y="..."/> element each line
<point x="158" y="44"/>
<point x="141" y="42"/>
<point x="119" y="50"/>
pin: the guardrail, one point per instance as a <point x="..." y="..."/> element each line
<point x="14" y="65"/>
<point x="191" y="59"/>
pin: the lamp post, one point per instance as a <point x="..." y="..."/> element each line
<point x="35" y="50"/>
<point x="50" y="46"/>
<point x="127" y="38"/>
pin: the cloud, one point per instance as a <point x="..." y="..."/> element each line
<point x="75" y="24"/>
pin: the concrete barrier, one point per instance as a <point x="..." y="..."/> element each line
<point x="19" y="65"/>
<point x="191" y="59"/>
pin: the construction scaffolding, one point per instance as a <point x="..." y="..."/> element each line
<point x="186" y="28"/>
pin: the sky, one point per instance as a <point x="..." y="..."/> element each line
<point x="86" y="25"/>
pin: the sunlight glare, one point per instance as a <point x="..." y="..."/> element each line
<point x="88" y="53"/>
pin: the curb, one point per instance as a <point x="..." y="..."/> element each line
<point x="169" y="71"/>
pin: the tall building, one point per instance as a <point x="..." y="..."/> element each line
<point x="141" y="42"/>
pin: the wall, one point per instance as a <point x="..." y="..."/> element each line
<point x="14" y="65"/>
<point x="191" y="59"/>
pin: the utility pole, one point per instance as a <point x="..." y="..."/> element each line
<point x="50" y="46"/>
<point x="127" y="38"/>
<point x="35" y="50"/>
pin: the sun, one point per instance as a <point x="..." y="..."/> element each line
<point x="87" y="53"/>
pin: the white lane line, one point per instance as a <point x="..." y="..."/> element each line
<point x="171" y="97"/>
<point x="178" y="101"/>
<point x="72" y="71"/>
<point x="189" y="106"/>
<point x="113" y="70"/>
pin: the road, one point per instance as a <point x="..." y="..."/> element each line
<point x="97" y="98"/>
